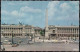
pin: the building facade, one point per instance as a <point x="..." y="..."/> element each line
<point x="37" y="31"/>
<point x="53" y="31"/>
<point x="16" y="30"/>
<point x="63" y="31"/>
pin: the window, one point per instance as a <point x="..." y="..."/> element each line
<point x="1" y="28"/>
<point x="53" y="31"/>
<point x="10" y="28"/>
<point x="17" y="34"/>
<point x="6" y="28"/>
<point x="14" y="34"/>
<point x="3" y="34"/>
<point x="7" y="34"/>
<point x="20" y="34"/>
<point x="10" y="34"/>
<point x="77" y="35"/>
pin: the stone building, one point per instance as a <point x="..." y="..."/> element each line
<point x="37" y="31"/>
<point x="53" y="31"/>
<point x="16" y="30"/>
<point x="63" y="31"/>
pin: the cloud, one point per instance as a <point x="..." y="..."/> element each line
<point x="30" y="19"/>
<point x="16" y="13"/>
<point x="59" y="12"/>
<point x="65" y="6"/>
<point x="63" y="11"/>
<point x="12" y="13"/>
<point x="52" y="8"/>
<point x="29" y="9"/>
<point x="4" y="12"/>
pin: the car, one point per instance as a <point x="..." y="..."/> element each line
<point x="15" y="45"/>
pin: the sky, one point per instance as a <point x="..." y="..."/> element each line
<point x="63" y="13"/>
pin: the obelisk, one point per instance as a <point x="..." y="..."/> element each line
<point x="46" y="28"/>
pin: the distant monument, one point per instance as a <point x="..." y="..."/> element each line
<point x="46" y="28"/>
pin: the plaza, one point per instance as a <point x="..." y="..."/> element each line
<point x="44" y="47"/>
<point x="39" y="45"/>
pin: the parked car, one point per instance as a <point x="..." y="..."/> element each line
<point x="15" y="45"/>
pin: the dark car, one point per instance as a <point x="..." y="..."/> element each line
<point x="15" y="45"/>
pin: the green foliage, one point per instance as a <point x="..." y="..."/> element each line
<point x="42" y="33"/>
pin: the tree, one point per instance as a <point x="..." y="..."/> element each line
<point x="42" y="32"/>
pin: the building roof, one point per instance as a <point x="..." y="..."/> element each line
<point x="37" y="28"/>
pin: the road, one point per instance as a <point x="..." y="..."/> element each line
<point x="44" y="47"/>
<point x="40" y="46"/>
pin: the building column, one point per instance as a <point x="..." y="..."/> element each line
<point x="76" y="31"/>
<point x="23" y="31"/>
<point x="71" y="33"/>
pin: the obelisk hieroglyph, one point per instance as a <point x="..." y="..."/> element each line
<point x="46" y="28"/>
